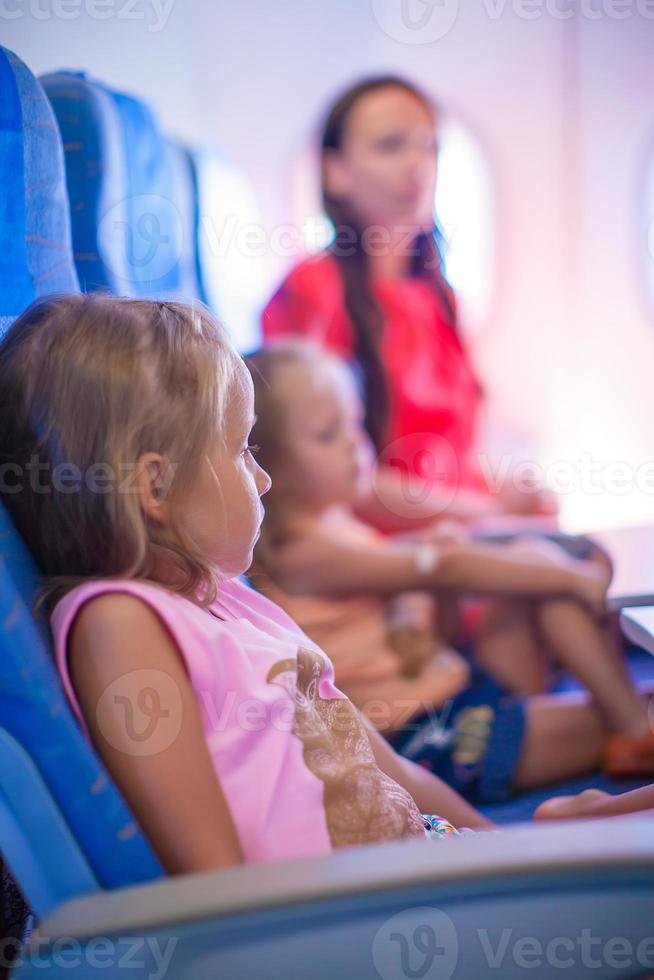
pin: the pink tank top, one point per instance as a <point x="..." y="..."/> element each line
<point x="290" y="752"/>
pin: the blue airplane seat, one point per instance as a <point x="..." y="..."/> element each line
<point x="132" y="205"/>
<point x="35" y="249"/>
<point x="64" y="828"/>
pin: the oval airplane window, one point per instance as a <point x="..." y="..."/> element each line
<point x="649" y="225"/>
<point x="464" y="210"/>
<point x="231" y="246"/>
<point x="315" y="230"/>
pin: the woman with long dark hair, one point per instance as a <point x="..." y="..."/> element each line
<point x="379" y="297"/>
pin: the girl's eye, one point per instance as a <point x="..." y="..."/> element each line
<point x="252" y="450"/>
<point x="390" y="144"/>
<point x="327" y="435"/>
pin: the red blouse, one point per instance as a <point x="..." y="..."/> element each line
<point x="434" y="395"/>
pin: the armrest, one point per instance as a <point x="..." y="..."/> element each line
<point x="629" y="548"/>
<point x="619" y="845"/>
<point x="638" y="626"/>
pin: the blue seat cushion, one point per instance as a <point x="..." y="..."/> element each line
<point x="35" y="244"/>
<point x="34" y="709"/>
<point x="130" y="216"/>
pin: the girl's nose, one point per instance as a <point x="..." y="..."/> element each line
<point x="354" y="439"/>
<point x="264" y="482"/>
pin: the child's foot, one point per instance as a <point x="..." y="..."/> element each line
<point x="571" y="807"/>
<point x="624" y="756"/>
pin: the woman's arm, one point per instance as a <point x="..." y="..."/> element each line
<point x="429" y="792"/>
<point x="397" y="502"/>
<point x="144" y="721"/>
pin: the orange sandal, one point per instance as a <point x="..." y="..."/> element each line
<point x="624" y="757"/>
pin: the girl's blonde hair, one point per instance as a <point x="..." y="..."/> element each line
<point x="88" y="384"/>
<point x="269" y="431"/>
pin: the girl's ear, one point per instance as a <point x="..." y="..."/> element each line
<point x="152" y="481"/>
<point x="334" y="177"/>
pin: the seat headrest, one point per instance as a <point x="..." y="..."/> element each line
<point x="130" y="219"/>
<point x="35" y="244"/>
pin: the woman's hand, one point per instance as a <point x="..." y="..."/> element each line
<point x="529" y="500"/>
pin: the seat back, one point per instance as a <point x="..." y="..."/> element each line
<point x="64" y="828"/>
<point x="35" y="248"/>
<point x="131" y="223"/>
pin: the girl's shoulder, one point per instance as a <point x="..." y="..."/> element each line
<point x="116" y="609"/>
<point x="81" y="595"/>
<point x="236" y="602"/>
<point x="238" y="618"/>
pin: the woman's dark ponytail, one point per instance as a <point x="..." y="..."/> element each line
<point x="363" y="310"/>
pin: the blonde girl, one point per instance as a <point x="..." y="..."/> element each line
<point x="127" y="469"/>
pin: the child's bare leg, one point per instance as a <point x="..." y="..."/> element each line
<point x="602" y="559"/>
<point x="508" y="647"/>
<point x="564" y="738"/>
<point x="567" y="633"/>
<point x="509" y="643"/>
<point x="447" y="618"/>
<point x="580" y="644"/>
<point x="595" y="803"/>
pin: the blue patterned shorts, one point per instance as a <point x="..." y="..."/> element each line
<point x="473" y="742"/>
